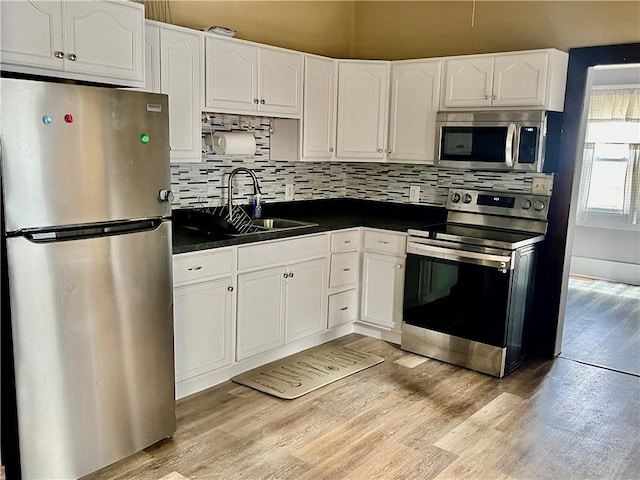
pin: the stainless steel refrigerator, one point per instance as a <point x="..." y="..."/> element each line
<point x="85" y="180"/>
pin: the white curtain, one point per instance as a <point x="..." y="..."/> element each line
<point x="632" y="185"/>
<point x="615" y="105"/>
<point x="585" y="180"/>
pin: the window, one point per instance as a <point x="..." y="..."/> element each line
<point x="608" y="175"/>
<point x="609" y="194"/>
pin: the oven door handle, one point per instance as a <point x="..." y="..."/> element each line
<point x="501" y="262"/>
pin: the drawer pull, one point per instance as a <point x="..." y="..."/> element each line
<point x="344" y="308"/>
<point x="346" y="269"/>
<point x="191" y="269"/>
<point x="384" y="242"/>
<point x="347" y="241"/>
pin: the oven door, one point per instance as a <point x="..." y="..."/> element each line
<point x="455" y="297"/>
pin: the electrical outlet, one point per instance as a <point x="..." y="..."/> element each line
<point x="414" y="193"/>
<point x="288" y="191"/>
<point x="542" y="186"/>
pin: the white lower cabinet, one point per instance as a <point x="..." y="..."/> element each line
<point x="343" y="308"/>
<point x="306" y="299"/>
<point x="203" y="317"/>
<point x="202" y="327"/>
<point x="260" y="321"/>
<point x="280" y="304"/>
<point x="382" y="286"/>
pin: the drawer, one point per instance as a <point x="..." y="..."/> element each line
<point x="385" y="242"/>
<point x="189" y="267"/>
<point x="343" y="308"/>
<point x="344" y="269"/>
<point x="345" y="241"/>
<point x="279" y="253"/>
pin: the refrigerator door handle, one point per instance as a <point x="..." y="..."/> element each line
<point x="98" y="230"/>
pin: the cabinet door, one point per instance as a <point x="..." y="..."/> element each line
<point x="180" y="78"/>
<point x="105" y="38"/>
<point x="363" y="91"/>
<point x="231" y="75"/>
<point x="306" y="294"/>
<point x="202" y="327"/>
<point x="382" y="290"/>
<point x="319" y="108"/>
<point x="260" y="311"/>
<point x="415" y="96"/>
<point x="520" y="80"/>
<point x="280" y="82"/>
<point x="31" y="33"/>
<point x="151" y="59"/>
<point x="468" y="82"/>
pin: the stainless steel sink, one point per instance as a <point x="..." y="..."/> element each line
<point x="263" y="225"/>
<point x="280" y="223"/>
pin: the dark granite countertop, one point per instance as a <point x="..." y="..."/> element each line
<point x="329" y="214"/>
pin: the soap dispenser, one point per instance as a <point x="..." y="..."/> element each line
<point x="257" y="206"/>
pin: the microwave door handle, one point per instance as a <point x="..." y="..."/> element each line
<point x="509" y="153"/>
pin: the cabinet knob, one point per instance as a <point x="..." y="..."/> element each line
<point x="72" y="56"/>
<point x="399" y="267"/>
<point x="493" y="97"/>
<point x="262" y="102"/>
<point x="256" y="101"/>
<point x="389" y="152"/>
<point x="486" y="97"/>
<point x="58" y="54"/>
<point x="331" y="149"/>
<point x="230" y="289"/>
<point x="379" y="150"/>
<point x="291" y="275"/>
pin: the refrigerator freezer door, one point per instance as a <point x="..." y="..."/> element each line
<point x="93" y="340"/>
<point x="76" y="154"/>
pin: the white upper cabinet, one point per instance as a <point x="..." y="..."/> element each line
<point x="534" y="79"/>
<point x="415" y="94"/>
<point x="99" y="40"/>
<point x="180" y="78"/>
<point x="244" y="78"/>
<point x="318" y="119"/>
<point x="151" y="59"/>
<point x="363" y="103"/>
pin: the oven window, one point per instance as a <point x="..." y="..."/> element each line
<point x="460" y="299"/>
<point x="479" y="144"/>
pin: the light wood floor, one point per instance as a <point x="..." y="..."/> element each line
<point x="602" y="324"/>
<point x="408" y="418"/>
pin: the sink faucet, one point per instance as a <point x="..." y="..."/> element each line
<point x="256" y="187"/>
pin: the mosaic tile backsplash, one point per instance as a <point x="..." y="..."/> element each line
<point x="204" y="184"/>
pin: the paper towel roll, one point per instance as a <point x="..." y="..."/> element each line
<point x="234" y="143"/>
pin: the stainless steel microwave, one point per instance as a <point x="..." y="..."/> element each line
<point x="503" y="140"/>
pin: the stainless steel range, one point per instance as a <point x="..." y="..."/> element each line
<point x="469" y="281"/>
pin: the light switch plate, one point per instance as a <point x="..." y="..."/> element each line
<point x="414" y="193"/>
<point x="288" y="192"/>
<point x="542" y="186"/>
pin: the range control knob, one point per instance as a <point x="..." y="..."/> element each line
<point x="526" y="204"/>
<point x="466" y="198"/>
<point x="455" y="197"/>
<point x="538" y="205"/>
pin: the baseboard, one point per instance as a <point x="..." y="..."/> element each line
<point x="606" y="270"/>
<point x="206" y="380"/>
<point x="392" y="336"/>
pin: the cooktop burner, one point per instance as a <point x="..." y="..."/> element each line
<point x="476" y="235"/>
